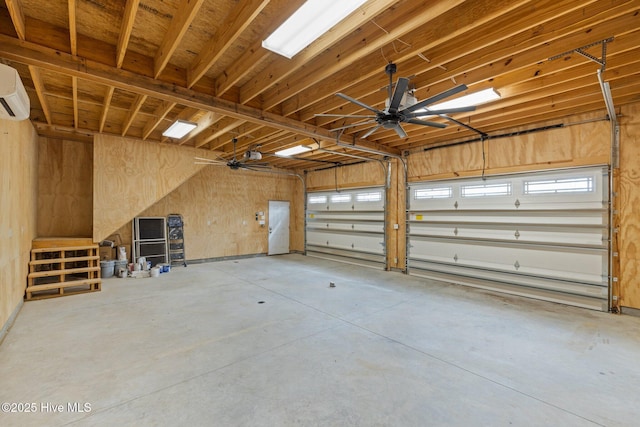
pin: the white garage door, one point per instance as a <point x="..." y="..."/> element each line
<point x="347" y="226"/>
<point x="541" y="235"/>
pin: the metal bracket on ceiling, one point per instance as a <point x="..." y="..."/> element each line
<point x="581" y="51"/>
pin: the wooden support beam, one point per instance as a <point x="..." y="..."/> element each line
<point x="242" y="15"/>
<point x="187" y="11"/>
<point x="217" y="132"/>
<point x="281" y="68"/>
<point x="56" y="131"/>
<point x="50" y="59"/>
<point x="159" y="115"/>
<point x="131" y="115"/>
<point x="429" y="9"/>
<point x="15" y="11"/>
<point x="74" y="91"/>
<point x="128" y="19"/>
<point x="73" y="34"/>
<point x="254" y="55"/>
<point x="204" y="122"/>
<point x="105" y="107"/>
<point x="40" y="91"/>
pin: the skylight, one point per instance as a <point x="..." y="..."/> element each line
<point x="310" y="21"/>
<point x="179" y="129"/>
<point x="293" y="150"/>
<point x="469" y="100"/>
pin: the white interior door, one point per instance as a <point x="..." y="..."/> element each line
<point x="278" y="227"/>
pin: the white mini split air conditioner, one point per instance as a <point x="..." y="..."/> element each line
<point x="14" y="101"/>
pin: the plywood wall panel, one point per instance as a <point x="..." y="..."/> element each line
<point x="130" y="175"/>
<point x="629" y="207"/>
<point x="219" y="205"/>
<point x="65" y="179"/>
<point x="18" y="206"/>
<point x="358" y="175"/>
<point x="446" y="161"/>
<point x="582" y="144"/>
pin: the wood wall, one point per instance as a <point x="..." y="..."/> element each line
<point x="65" y="180"/>
<point x="129" y="175"/>
<point x="357" y="175"/>
<point x="629" y="207"/>
<point x="18" y="206"/>
<point x="582" y="144"/>
<point x="219" y="207"/>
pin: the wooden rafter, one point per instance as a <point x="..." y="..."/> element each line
<point x="159" y="114"/>
<point x="89" y="70"/>
<point x="204" y="122"/>
<point x="17" y="16"/>
<point x="74" y="91"/>
<point x="39" y="86"/>
<point x="281" y="68"/>
<point x="202" y="140"/>
<point x="73" y="35"/>
<point x="241" y="17"/>
<point x="427" y="40"/>
<point x="187" y="11"/>
<point x="253" y="56"/>
<point x="105" y="106"/>
<point x="128" y="19"/>
<point x="336" y="64"/>
<point x="131" y="115"/>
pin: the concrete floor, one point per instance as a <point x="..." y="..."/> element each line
<point x="267" y="342"/>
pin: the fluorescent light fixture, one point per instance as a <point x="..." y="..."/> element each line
<point x="293" y="150"/>
<point x="475" y="98"/>
<point x="310" y="21"/>
<point x="179" y="128"/>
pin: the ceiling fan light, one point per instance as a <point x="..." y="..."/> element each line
<point x="310" y="21"/>
<point x="293" y="151"/>
<point x="179" y="128"/>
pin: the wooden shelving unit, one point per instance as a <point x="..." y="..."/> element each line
<point x="60" y="267"/>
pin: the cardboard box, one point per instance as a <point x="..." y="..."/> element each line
<point x="106" y="253"/>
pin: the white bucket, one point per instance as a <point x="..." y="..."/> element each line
<point x="155" y="272"/>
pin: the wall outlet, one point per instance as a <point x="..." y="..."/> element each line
<point x="396" y="226"/>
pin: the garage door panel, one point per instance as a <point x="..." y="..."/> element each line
<point x="581" y="266"/>
<point x="577" y="236"/>
<point x="560" y="217"/>
<point x="546" y="233"/>
<point x="347" y="225"/>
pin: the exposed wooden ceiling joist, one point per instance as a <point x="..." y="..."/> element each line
<point x="128" y="18"/>
<point x="89" y="63"/>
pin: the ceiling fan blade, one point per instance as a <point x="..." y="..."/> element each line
<point x="210" y="163"/>
<point x="355" y="101"/>
<point x="366" y="122"/>
<point x="438" y="112"/>
<point x="362" y="116"/>
<point x="426" y="123"/>
<point x="204" y="159"/>
<point x="401" y="89"/>
<point x="435" y="98"/>
<point x="401" y="133"/>
<point x="372" y="130"/>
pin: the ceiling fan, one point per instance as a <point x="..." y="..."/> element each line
<point x="401" y="107"/>
<point x="247" y="162"/>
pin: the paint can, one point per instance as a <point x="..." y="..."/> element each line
<point x="107" y="269"/>
<point x="155" y="272"/>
